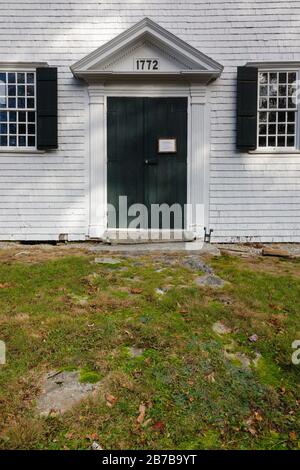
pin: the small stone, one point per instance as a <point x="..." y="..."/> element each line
<point x="210" y="280"/>
<point x="221" y="329"/>
<point x="96" y="446"/>
<point x="160" y="291"/>
<point x="107" y="261"/>
<point x="197" y="265"/>
<point x="136" y="352"/>
<point x="253" y="338"/>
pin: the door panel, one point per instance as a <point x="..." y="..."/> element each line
<point x="134" y="127"/>
<point x="125" y="149"/>
<point x="165" y="183"/>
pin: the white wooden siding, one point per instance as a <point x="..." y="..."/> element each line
<point x="252" y="197"/>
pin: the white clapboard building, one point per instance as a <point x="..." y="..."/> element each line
<point x="112" y="112"/>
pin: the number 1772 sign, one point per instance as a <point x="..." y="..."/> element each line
<point x="146" y="64"/>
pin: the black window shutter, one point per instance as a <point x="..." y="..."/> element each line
<point x="46" y="82"/>
<point x="247" y="108"/>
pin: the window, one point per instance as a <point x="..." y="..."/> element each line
<point x="17" y="110"/>
<point x="277" y="109"/>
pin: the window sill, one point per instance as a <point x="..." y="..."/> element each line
<point x="21" y="151"/>
<point x="275" y="151"/>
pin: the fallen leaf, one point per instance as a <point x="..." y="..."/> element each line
<point x="147" y="422"/>
<point x="159" y="426"/>
<point x="136" y="290"/>
<point x="92" y="437"/>
<point x="210" y="377"/>
<point x="252" y="431"/>
<point x="110" y="400"/>
<point x="293" y="436"/>
<point x="5" y="285"/>
<point x="141" y="416"/>
<point x="258" y="416"/>
<point x="253" y="338"/>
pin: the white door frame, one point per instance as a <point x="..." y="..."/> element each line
<point x="198" y="148"/>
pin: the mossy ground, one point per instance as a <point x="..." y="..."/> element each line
<point x="62" y="311"/>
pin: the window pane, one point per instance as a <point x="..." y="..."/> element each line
<point x="272" y="141"/>
<point x="2" y="78"/>
<point x="30" y="78"/>
<point x="22" y="128"/>
<point x="22" y="116"/>
<point x="282" y="103"/>
<point x="263" y="103"/>
<point x="263" y="78"/>
<point x="281" y="141"/>
<point x="263" y="91"/>
<point x="282" y="77"/>
<point x="272" y="116"/>
<point x="282" y="90"/>
<point x="2" y="102"/>
<point x="30" y="103"/>
<point x="31" y="129"/>
<point x="12" y="90"/>
<point x="12" y="128"/>
<point x="290" y="141"/>
<point x="262" y="141"/>
<point x="22" y="140"/>
<point x="272" y="129"/>
<point x="31" y="141"/>
<point x="3" y="116"/>
<point x="31" y="117"/>
<point x="21" y="90"/>
<point x="21" y="77"/>
<point x="273" y="90"/>
<point x="12" y="116"/>
<point x="263" y="117"/>
<point x="3" y="140"/>
<point x="273" y="77"/>
<point x="11" y="102"/>
<point x="11" y="78"/>
<point x="13" y="141"/>
<point x="3" y="128"/>
<point x="292" y="77"/>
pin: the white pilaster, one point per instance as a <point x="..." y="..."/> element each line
<point x="198" y="164"/>
<point x="98" y="167"/>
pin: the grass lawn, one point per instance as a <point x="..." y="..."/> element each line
<point x="61" y="311"/>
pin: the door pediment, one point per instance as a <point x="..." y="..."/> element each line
<point x="146" y="50"/>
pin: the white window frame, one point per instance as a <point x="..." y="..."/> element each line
<point x="22" y="67"/>
<point x="284" y="66"/>
<point x="285" y="149"/>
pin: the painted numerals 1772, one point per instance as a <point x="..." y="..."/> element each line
<point x="146" y="64"/>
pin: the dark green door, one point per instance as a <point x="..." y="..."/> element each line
<point x="136" y="167"/>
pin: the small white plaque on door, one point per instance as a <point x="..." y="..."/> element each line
<point x="167" y="145"/>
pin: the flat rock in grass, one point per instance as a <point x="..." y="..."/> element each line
<point x="279" y="252"/>
<point x="61" y="391"/>
<point x="221" y="329"/>
<point x="107" y="261"/>
<point x="209" y="280"/>
<point x="136" y="352"/>
<point x="197" y="264"/>
<point x="240" y="359"/>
